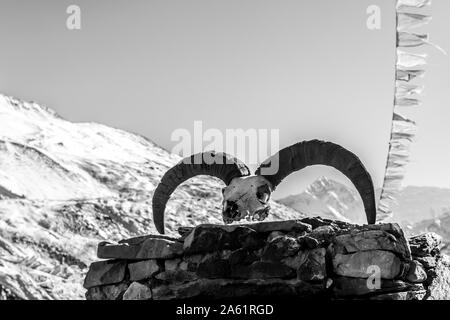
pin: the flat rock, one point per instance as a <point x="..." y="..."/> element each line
<point x="425" y="244"/>
<point x="296" y="261"/>
<point x="273" y="235"/>
<point x="282" y="226"/>
<point x="392" y="228"/>
<point x="214" y="267"/>
<point x="242" y="257"/>
<point x="209" y="238"/>
<point x="316" y="222"/>
<point x="176" y="276"/>
<point x="260" y="227"/>
<point x="137" y="291"/>
<point x="324" y="234"/>
<point x="416" y="272"/>
<point x="105" y="272"/>
<point x="263" y="270"/>
<point x="307" y="242"/>
<point x="357" y="264"/>
<point x="149" y="248"/>
<point x="172" y="264"/>
<point x="279" y="248"/>
<point x="192" y="261"/>
<point x="108" y="292"/>
<point x="371" y="240"/>
<point x="314" y="266"/>
<point x="143" y="269"/>
<point x="138" y="240"/>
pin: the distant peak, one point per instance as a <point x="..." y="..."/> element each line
<point x="28" y="106"/>
<point x="325" y="179"/>
<point x="323" y="182"/>
<point x="327" y="185"/>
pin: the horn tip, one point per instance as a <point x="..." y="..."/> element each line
<point x="160" y="228"/>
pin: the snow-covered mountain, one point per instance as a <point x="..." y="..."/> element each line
<point x="418" y="209"/>
<point x="329" y="199"/>
<point x="66" y="186"/>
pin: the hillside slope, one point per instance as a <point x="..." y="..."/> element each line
<point x="66" y="186"/>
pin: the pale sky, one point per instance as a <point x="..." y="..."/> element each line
<point x="311" y="69"/>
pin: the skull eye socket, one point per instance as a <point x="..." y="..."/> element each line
<point x="223" y="190"/>
<point x="263" y="194"/>
<point x="262" y="197"/>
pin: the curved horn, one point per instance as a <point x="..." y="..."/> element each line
<point x="219" y="165"/>
<point x="315" y="152"/>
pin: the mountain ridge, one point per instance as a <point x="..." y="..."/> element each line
<point x="65" y="187"/>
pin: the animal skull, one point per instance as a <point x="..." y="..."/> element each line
<point x="246" y="197"/>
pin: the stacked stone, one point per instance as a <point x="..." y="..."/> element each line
<point x="307" y="258"/>
<point x="431" y="265"/>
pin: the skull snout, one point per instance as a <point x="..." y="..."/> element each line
<point x="261" y="214"/>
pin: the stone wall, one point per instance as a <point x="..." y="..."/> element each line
<point x="307" y="258"/>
